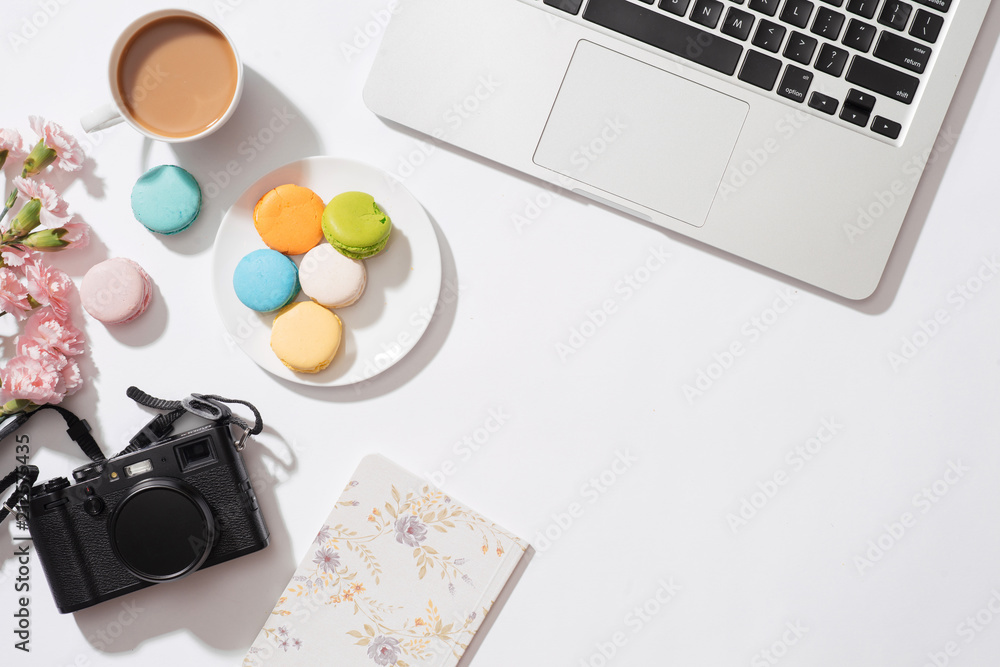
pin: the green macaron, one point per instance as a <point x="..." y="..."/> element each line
<point x="355" y="225"/>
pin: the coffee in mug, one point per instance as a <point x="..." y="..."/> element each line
<point x="177" y="76"/>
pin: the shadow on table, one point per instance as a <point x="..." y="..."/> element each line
<point x="423" y="351"/>
<point x="265" y="132"/>
<point x="225" y="605"/>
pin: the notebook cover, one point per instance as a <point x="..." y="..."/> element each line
<point x="400" y="574"/>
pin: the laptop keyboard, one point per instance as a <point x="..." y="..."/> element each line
<point x="857" y="61"/>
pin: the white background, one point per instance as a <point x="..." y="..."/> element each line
<point x="515" y="294"/>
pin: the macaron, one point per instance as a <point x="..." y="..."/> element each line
<point x="266" y="280"/>
<point x="288" y="219"/>
<point x="331" y="279"/>
<point x="306" y="336"/>
<point x="116" y="291"/>
<point x="355" y="225"/>
<point x="166" y="199"/>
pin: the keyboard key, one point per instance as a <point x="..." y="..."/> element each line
<point x="760" y="70"/>
<point x="940" y="5"/>
<point x="835" y="3"/>
<point x="800" y="48"/>
<point x="571" y="6"/>
<point x="895" y="14"/>
<point x="797" y="12"/>
<point x="902" y="52"/>
<point x="707" y="13"/>
<point x="926" y="26"/>
<point x="678" y="7"/>
<point x="828" y="24"/>
<point x="861" y="100"/>
<point x="831" y="60"/>
<point x="883" y="80"/>
<point x="886" y="127"/>
<point x="854" y="115"/>
<point x="662" y="32"/>
<point x="737" y="24"/>
<point x="864" y="8"/>
<point x="768" y="7"/>
<point x="769" y="36"/>
<point x="738" y="2"/>
<point x="795" y="83"/>
<point x="823" y="103"/>
<point x="859" y="35"/>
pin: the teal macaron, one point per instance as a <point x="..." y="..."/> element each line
<point x="265" y="280"/>
<point x="166" y="199"/>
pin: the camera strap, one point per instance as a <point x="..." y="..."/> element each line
<point x="79" y="431"/>
<point x="206" y="406"/>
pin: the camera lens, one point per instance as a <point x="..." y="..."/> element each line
<point x="162" y="530"/>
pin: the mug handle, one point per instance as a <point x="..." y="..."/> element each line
<point x="101" y="118"/>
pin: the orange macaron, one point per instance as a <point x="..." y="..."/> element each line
<point x="289" y="219"/>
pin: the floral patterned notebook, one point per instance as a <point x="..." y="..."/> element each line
<point x="400" y="574"/>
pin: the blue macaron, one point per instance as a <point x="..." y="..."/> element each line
<point x="266" y="280"/>
<point x="166" y="199"/>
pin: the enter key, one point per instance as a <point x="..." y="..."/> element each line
<point x="902" y="52"/>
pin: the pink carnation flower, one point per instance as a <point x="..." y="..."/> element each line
<point x="15" y="255"/>
<point x="77" y="233"/>
<point x="49" y="287"/>
<point x="52" y="361"/>
<point x="69" y="154"/>
<point x="12" y="141"/>
<point x="13" y="294"/>
<point x="28" y="379"/>
<point x="53" y="213"/>
<point x="46" y="329"/>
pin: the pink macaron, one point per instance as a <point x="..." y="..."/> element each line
<point x="116" y="291"/>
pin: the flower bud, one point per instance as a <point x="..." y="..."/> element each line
<point x="40" y="157"/>
<point x="3" y="157"/>
<point x="46" y="240"/>
<point x="16" y="405"/>
<point x="26" y="220"/>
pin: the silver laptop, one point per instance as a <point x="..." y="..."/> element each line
<point x="791" y="133"/>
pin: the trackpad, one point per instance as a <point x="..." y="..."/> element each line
<point x="641" y="133"/>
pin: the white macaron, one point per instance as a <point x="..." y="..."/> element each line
<point x="331" y="279"/>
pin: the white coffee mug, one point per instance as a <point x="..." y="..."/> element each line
<point x="117" y="111"/>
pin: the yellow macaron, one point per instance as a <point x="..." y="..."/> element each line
<point x="306" y="336"/>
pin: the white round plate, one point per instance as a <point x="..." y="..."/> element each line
<point x="404" y="280"/>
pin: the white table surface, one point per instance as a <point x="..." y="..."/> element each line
<point x="513" y="296"/>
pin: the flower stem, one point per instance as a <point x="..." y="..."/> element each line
<point x="9" y="204"/>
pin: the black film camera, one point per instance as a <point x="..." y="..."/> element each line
<point x="177" y="505"/>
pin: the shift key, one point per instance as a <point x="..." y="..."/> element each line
<point x="883" y="80"/>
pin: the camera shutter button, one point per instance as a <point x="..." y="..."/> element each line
<point x="93" y="506"/>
